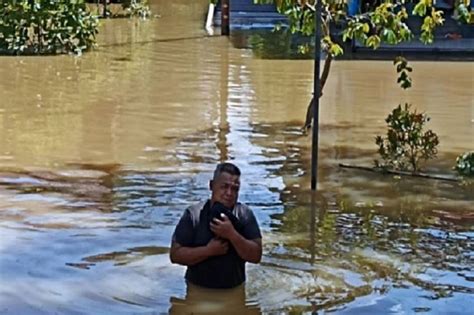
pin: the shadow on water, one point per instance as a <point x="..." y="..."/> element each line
<point x="200" y="300"/>
<point x="275" y="44"/>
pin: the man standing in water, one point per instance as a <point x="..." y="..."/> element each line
<point x="215" y="238"/>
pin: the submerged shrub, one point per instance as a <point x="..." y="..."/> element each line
<point x="46" y="27"/>
<point x="137" y="8"/>
<point x="465" y="164"/>
<point x="406" y="145"/>
<point x="129" y="8"/>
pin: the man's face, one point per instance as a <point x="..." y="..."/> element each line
<point x="225" y="189"/>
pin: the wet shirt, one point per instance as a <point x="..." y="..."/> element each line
<point x="193" y="230"/>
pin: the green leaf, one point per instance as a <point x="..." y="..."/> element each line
<point x="373" y="41"/>
<point x="420" y="9"/>
<point x="336" y="50"/>
<point x="365" y="28"/>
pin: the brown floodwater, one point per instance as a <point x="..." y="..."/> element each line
<point x="100" y="154"/>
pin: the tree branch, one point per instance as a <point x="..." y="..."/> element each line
<point x="310" y="109"/>
<point x="400" y="173"/>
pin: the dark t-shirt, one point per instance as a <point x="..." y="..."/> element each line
<point x="224" y="271"/>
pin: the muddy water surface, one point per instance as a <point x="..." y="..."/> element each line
<point x="99" y="156"/>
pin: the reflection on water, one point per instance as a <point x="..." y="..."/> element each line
<point x="99" y="156"/>
<point x="201" y="300"/>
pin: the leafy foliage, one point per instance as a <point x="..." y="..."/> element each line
<point x="138" y="8"/>
<point x="431" y="20"/>
<point x="129" y="8"/>
<point x="406" y="144"/>
<point x="385" y="24"/>
<point x="465" y="164"/>
<point x="403" y="69"/>
<point x="380" y="22"/>
<point x="46" y="27"/>
<point x="462" y="12"/>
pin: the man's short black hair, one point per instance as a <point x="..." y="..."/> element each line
<point x="227" y="168"/>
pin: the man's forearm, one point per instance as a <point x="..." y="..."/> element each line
<point x="248" y="250"/>
<point x="189" y="256"/>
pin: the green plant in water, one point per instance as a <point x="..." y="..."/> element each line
<point x="138" y="8"/>
<point x="406" y="145"/>
<point x="46" y="27"/>
<point x="465" y="164"/>
<point x="129" y="8"/>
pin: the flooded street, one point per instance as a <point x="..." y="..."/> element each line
<point x="101" y="154"/>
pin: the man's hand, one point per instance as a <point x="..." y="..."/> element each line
<point x="248" y="250"/>
<point x="223" y="228"/>
<point x="217" y="247"/>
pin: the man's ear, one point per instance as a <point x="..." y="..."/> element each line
<point x="211" y="183"/>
